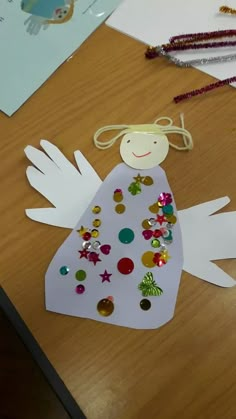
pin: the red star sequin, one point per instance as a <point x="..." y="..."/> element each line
<point x="84" y="253"/>
<point x="105" y="276"/>
<point x="158" y="259"/>
<point x="94" y="257"/>
<point x="161" y="219"/>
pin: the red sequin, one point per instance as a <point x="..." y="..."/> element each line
<point x="87" y="236"/>
<point x="125" y="266"/>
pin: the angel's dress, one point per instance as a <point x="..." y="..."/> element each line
<point x="122" y="263"/>
<point x="42" y="8"/>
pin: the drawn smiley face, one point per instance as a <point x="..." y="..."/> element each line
<point x="60" y="12"/>
<point x="144" y="151"/>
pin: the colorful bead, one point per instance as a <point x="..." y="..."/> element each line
<point x="80" y="289"/>
<point x="105" y="307"/>
<point x="120" y="208"/>
<point x="126" y="235"/>
<point x="64" y="270"/>
<point x="96" y="209"/>
<point x="80" y="275"/>
<point x="147" y="259"/>
<point x="145" y="304"/>
<point x="97" y="223"/>
<point x="125" y="266"/>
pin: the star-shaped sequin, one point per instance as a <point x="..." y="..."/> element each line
<point x="165" y="256"/>
<point x="139" y="178"/>
<point x="161" y="219"/>
<point x="105" y="276"/>
<point x="82" y="230"/>
<point x="84" y="253"/>
<point x="94" y="257"/>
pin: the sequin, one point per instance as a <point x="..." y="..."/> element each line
<point x="155" y="243"/>
<point x="148" y="181"/>
<point x="97" y="223"/>
<point x="118" y="195"/>
<point x="87" y="236"/>
<point x="86" y="245"/>
<point x="126" y="235"/>
<point x="165" y="256"/>
<point x="105" y="276"/>
<point x="138" y="178"/>
<point x="110" y="298"/>
<point x="146" y="225"/>
<point x="105" y="249"/>
<point x="154" y="208"/>
<point x="96" y="245"/>
<point x="171" y="219"/>
<point x="169" y="225"/>
<point x="158" y="260"/>
<point x="96" y="209"/>
<point x="145" y="304"/>
<point x="157" y="233"/>
<point x="94" y="233"/>
<point x="149" y="287"/>
<point x="125" y="266"/>
<point x="147" y="259"/>
<point x="64" y="270"/>
<point x="167" y="235"/>
<point x="84" y="253"/>
<point x="80" y="275"/>
<point x="161" y="219"/>
<point x="147" y="234"/>
<point x="82" y="230"/>
<point x="134" y="188"/>
<point x="120" y="208"/>
<point x="105" y="307"/>
<point x="164" y="199"/>
<point x="94" y="257"/>
<point x="168" y="210"/>
<point x="152" y="221"/>
<point x="80" y="289"/>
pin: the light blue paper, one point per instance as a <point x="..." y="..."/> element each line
<point x="32" y="47"/>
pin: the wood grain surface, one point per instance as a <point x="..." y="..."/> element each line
<point x="186" y="369"/>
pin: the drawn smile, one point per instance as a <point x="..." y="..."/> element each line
<point x="142" y="155"/>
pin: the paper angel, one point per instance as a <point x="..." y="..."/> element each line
<point x="44" y="13"/>
<point x="122" y="262"/>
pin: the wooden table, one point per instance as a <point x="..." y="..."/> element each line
<point x="185" y="369"/>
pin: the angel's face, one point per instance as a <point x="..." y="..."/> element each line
<point x="60" y="13"/>
<point x="144" y="151"/>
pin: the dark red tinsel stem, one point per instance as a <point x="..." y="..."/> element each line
<point x="205" y="89"/>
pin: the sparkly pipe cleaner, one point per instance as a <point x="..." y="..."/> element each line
<point x="227" y="10"/>
<point x="203" y="35"/>
<point x="201" y="61"/>
<point x="205" y="89"/>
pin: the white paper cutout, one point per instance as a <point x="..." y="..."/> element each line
<point x="69" y="190"/>
<point x="144" y="151"/>
<point x="60" y="291"/>
<point x="205" y="237"/>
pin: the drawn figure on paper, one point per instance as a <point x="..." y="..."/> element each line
<point x="46" y="12"/>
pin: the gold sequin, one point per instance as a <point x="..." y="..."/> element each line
<point x="120" y="208"/>
<point x="105" y="307"/>
<point x="97" y="222"/>
<point x="94" y="233"/>
<point x="96" y="209"/>
<point x="171" y="218"/>
<point x="82" y="230"/>
<point x="154" y="208"/>
<point x="147" y="259"/>
<point x="146" y="225"/>
<point x="118" y="197"/>
<point x="148" y="181"/>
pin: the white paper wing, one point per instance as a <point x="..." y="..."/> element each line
<point x="69" y="190"/>
<point x="207" y="238"/>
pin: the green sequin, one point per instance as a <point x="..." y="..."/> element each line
<point x="149" y="287"/>
<point x="135" y="188"/>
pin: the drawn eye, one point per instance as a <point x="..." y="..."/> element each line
<point x="128" y="141"/>
<point x="65" y="12"/>
<point x="155" y="142"/>
<point x="60" y="16"/>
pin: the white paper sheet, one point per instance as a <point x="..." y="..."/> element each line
<point x="155" y="21"/>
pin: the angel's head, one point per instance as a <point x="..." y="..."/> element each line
<point x="145" y="146"/>
<point x="63" y="13"/>
<point x="144" y="151"/>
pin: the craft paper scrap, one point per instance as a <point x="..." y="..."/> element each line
<point x="37" y="36"/>
<point x="155" y="21"/>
